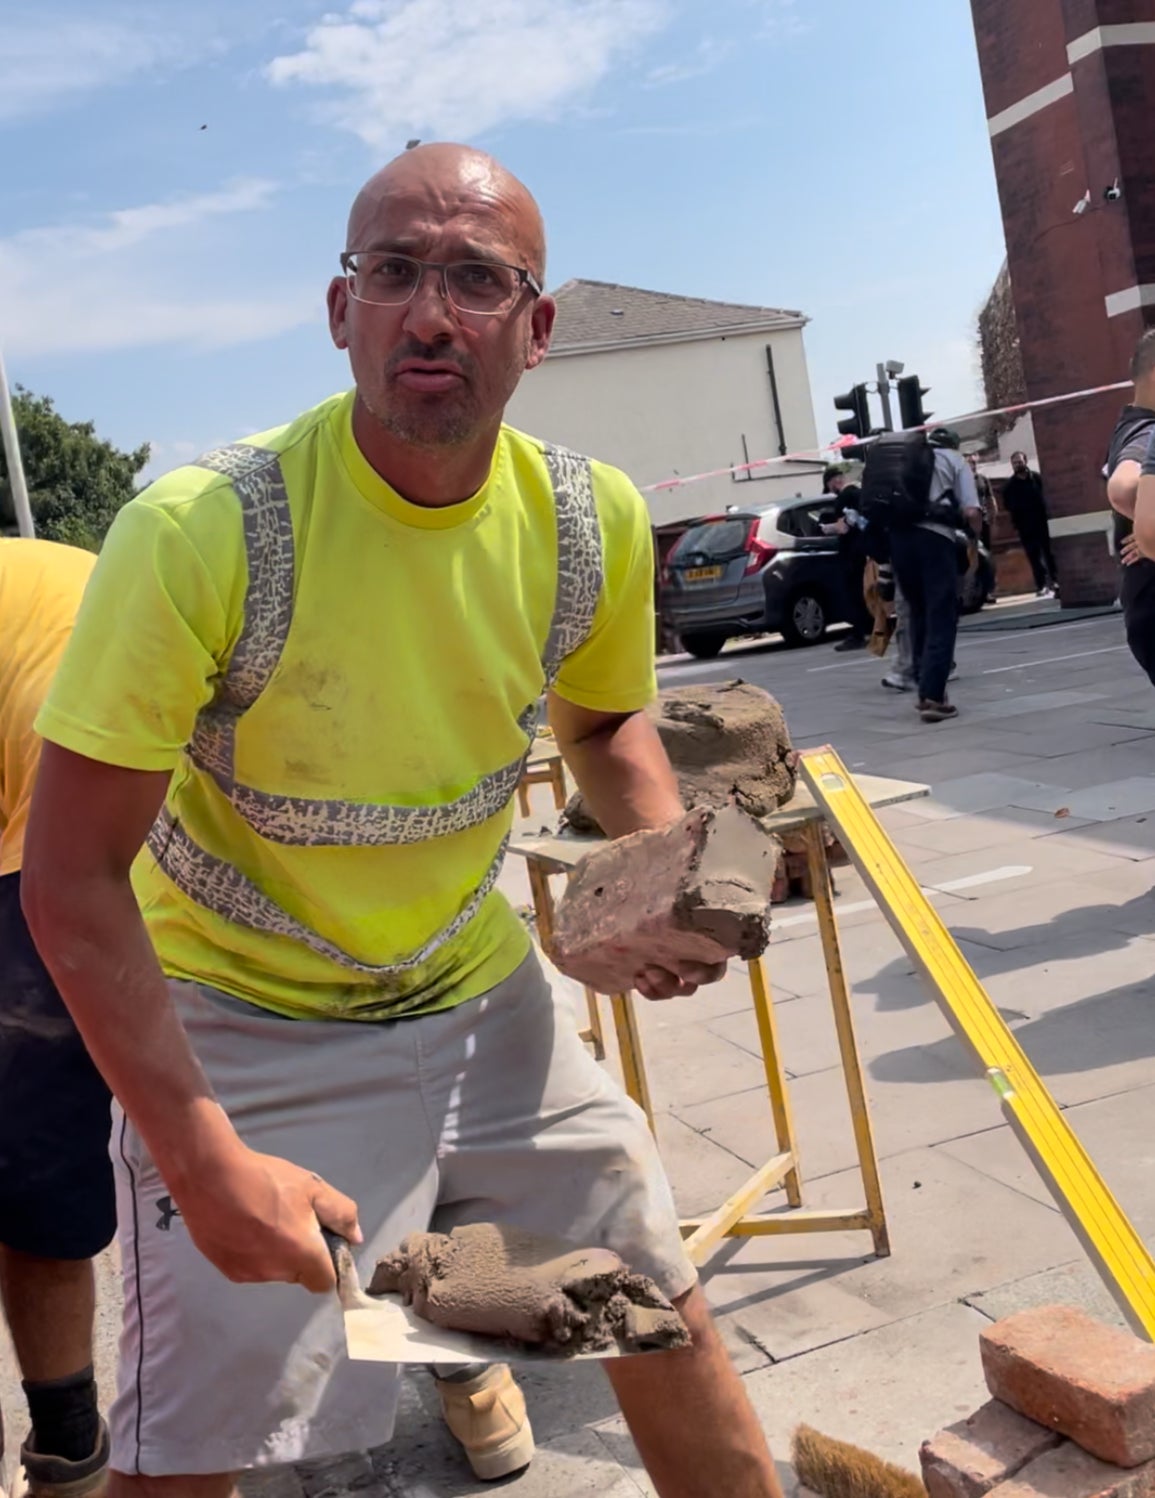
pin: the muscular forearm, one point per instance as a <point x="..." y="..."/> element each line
<point x="624" y="774"/>
<point x="95" y="945"/>
<point x="1123" y="487"/>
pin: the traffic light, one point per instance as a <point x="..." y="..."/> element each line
<point x="855" y="401"/>
<point x="910" y="407"/>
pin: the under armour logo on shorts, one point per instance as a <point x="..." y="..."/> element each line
<point x="168" y="1209"/>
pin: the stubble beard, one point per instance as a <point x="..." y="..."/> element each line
<point x="429" y="423"/>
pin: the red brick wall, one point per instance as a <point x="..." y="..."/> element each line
<point x="1063" y="266"/>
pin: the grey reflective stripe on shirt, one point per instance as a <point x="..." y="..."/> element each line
<point x="257" y="480"/>
<point x="314" y="822"/>
<point x="223" y="889"/>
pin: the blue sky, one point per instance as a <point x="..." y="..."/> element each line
<point x="167" y="281"/>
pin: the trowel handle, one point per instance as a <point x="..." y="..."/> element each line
<point x="348" y="1282"/>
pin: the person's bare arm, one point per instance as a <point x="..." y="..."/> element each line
<point x="620" y="764"/>
<point x="1123" y="486"/>
<point x="255" y="1217"/>
<point x="623" y="771"/>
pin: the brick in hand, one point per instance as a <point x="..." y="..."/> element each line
<point x="695" y="891"/>
<point x="1069" y="1372"/>
<point x="969" y="1458"/>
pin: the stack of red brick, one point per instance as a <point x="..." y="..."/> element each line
<point x="1073" y="1415"/>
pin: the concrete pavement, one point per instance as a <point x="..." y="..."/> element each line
<point x="1039" y="845"/>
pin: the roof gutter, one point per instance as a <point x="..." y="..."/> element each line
<point x="783" y="325"/>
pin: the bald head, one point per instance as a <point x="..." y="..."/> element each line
<point x="444" y="181"/>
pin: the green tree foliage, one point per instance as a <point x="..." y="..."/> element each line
<point x="76" y="481"/>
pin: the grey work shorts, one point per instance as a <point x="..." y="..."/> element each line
<point x="493" y="1111"/>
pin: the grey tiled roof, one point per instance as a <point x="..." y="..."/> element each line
<point x="591" y="314"/>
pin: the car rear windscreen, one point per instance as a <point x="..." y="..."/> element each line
<point x="714" y="538"/>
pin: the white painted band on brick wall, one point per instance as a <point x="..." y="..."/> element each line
<point x="1130" y="34"/>
<point x="1131" y="299"/>
<point x="1015" y="114"/>
<point x="1085" y="524"/>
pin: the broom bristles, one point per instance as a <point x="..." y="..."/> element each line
<point x="836" y="1469"/>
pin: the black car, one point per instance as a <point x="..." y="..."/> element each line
<point x="763" y="570"/>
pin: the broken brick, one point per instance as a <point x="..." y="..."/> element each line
<point x="695" y="891"/>
<point x="969" y="1458"/>
<point x="1069" y="1372"/>
<point x="1070" y="1472"/>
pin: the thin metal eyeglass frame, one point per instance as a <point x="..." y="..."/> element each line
<point x="525" y="278"/>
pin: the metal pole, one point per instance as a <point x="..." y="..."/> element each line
<point x="12" y="454"/>
<point x="884" y="396"/>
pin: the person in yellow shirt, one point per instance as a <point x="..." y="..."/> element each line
<point x="304" y="680"/>
<point x="57" y="1204"/>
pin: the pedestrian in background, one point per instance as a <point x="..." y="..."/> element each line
<point x="845" y="520"/>
<point x="1128" y="449"/>
<point x="929" y="495"/>
<point x="989" y="508"/>
<point x="1024" y="499"/>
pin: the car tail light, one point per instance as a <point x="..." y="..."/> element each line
<point x="758" y="553"/>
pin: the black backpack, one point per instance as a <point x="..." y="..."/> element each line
<point x="896" y="480"/>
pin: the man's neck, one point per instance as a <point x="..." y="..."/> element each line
<point x="1144" y="397"/>
<point x="431" y="477"/>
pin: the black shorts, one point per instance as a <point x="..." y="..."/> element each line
<point x="57" y="1199"/>
<point x="1137" y="595"/>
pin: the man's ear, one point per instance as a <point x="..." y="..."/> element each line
<point x="544" y="314"/>
<point x="337" y="301"/>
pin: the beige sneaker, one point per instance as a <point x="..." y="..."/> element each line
<point x="487" y="1415"/>
<point x="53" y="1477"/>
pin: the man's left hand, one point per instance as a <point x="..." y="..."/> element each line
<point x="660" y="983"/>
<point x="1129" y="552"/>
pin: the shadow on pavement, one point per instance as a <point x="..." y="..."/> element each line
<point x="1103" y="1030"/>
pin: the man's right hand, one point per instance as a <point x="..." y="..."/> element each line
<point x="1129" y="552"/>
<point x="258" y="1219"/>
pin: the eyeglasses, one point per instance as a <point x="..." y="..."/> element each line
<point x="484" y="287"/>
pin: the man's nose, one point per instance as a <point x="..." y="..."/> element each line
<point x="429" y="315"/>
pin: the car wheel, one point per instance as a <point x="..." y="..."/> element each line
<point x="705" y="644"/>
<point x="805" y="620"/>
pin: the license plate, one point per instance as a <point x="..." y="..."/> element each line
<point x="702" y="574"/>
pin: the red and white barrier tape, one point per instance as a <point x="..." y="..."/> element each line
<point x="817" y="454"/>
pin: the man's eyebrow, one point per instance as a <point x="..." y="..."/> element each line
<point x="403" y="245"/>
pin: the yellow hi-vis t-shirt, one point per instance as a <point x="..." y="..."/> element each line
<point x="41" y="585"/>
<point x="415" y="644"/>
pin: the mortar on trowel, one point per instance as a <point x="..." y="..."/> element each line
<point x="488" y="1293"/>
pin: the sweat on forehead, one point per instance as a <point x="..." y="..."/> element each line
<point x="444" y="180"/>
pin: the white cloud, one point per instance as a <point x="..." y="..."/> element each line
<point x="47" y="58"/>
<point x="709" y="53"/>
<point x="87" y="286"/>
<point x="436" y="67"/>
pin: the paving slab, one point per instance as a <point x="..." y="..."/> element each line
<point x="886" y="1390"/>
<point x="1074" y="1284"/>
<point x="954" y="1233"/>
<point x="1082" y="768"/>
<point x="899" y="1110"/>
<point x="1038" y="865"/>
<point x="1116" y="1133"/>
<point x="703" y="1173"/>
<point x="966" y="794"/>
<point x="809" y="1042"/>
<point x="1104" y="802"/>
<point x="1122" y="837"/>
<point x="999" y="828"/>
<point x="1117" y="902"/>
